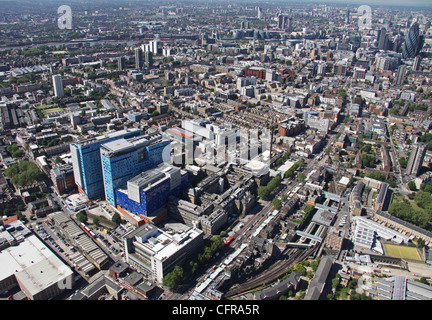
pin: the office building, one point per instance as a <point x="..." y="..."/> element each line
<point x="148" y="59"/>
<point x="121" y="63"/>
<point x="122" y="159"/>
<point x="138" y="58"/>
<point x="58" y="85"/>
<point x="383" y="40"/>
<point x="260" y="14"/>
<point x="416" y="63"/>
<point x="400" y="75"/>
<point x="206" y="217"/>
<point x="156" y="252"/>
<point x="86" y="161"/>
<point x="413" y="42"/>
<point x="416" y="158"/>
<point x="387" y="61"/>
<point x="62" y="177"/>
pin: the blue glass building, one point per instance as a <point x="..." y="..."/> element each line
<point x="86" y="161"/>
<point x="122" y="159"/>
<point x="148" y="191"/>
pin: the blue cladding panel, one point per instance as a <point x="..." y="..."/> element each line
<point x="153" y="199"/>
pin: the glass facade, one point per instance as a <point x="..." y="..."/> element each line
<point x="123" y="164"/>
<point x="87" y="163"/>
<point x="413" y="42"/>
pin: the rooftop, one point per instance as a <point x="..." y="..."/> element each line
<point x="35" y="266"/>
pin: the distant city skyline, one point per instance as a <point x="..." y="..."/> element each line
<point x="390" y="3"/>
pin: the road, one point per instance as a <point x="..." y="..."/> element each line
<point x="256" y="220"/>
<point x="400" y="183"/>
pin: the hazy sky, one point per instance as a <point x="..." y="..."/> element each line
<point x="404" y="3"/>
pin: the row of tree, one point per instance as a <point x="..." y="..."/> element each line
<point x="291" y="171"/>
<point x="180" y="273"/>
<point x="265" y="191"/>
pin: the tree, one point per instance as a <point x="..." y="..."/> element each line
<point x="335" y="281"/>
<point x="82" y="216"/>
<point x="24" y="173"/>
<point x="308" y="209"/>
<point x="422" y="199"/>
<point x="412" y="186"/>
<point x="277" y="203"/>
<point x="174" y="278"/>
<point x="58" y="160"/>
<point x="96" y="221"/>
<point x="342" y="93"/>
<point x="301" y="177"/>
<point x="116" y="218"/>
<point x="300" y="269"/>
<point x="263" y="192"/>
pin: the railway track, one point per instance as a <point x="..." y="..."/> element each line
<point x="271" y="274"/>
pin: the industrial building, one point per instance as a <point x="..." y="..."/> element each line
<point x="75" y="235"/>
<point x="28" y="262"/>
<point x="400" y="288"/>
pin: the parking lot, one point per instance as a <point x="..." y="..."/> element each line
<point x="68" y="253"/>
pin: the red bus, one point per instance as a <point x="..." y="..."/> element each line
<point x="229" y="240"/>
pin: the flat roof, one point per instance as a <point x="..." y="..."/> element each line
<point x="117" y="145"/>
<point x="34" y="265"/>
<point x="163" y="244"/>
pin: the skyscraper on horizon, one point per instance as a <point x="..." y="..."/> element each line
<point x="413" y="42"/>
<point x="121" y="63"/>
<point x="416" y="63"/>
<point x="148" y="59"/>
<point x="383" y="39"/>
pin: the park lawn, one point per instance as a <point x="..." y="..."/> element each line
<point x="51" y="110"/>
<point x="402" y="252"/>
<point x="45" y="106"/>
<point x="415" y="205"/>
<point x="400" y="197"/>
